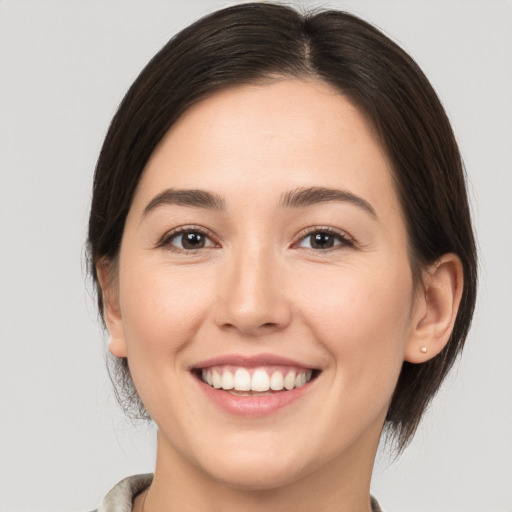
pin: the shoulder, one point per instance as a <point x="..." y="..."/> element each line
<point x="121" y="496"/>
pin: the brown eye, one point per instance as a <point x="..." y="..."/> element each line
<point x="187" y="240"/>
<point x="323" y="240"/>
<point x="192" y="240"/>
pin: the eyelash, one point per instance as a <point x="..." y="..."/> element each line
<point x="341" y="237"/>
<point x="167" y="239"/>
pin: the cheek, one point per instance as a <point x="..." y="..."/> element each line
<point x="163" y="311"/>
<point x="162" y="308"/>
<point x="362" y="317"/>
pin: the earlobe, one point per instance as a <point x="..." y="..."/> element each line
<point x="111" y="308"/>
<point x="117" y="346"/>
<point x="436" y="310"/>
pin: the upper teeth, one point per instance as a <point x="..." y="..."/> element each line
<point x="240" y="379"/>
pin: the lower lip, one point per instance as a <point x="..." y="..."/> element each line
<point x="254" y="405"/>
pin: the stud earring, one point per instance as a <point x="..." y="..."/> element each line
<point x="423" y="350"/>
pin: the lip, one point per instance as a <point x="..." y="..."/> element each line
<point x="252" y="405"/>
<point x="249" y="361"/>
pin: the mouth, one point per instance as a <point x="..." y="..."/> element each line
<point x="254" y="386"/>
<point x="255" y="381"/>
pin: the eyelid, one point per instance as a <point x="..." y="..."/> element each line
<point x="164" y="241"/>
<point x="347" y="240"/>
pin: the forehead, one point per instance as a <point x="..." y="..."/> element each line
<point x="280" y="135"/>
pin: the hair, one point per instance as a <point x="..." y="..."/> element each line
<point x="250" y="44"/>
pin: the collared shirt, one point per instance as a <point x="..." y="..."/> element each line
<point x="120" y="498"/>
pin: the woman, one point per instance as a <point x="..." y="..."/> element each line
<point x="281" y="240"/>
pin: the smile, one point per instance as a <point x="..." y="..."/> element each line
<point x="247" y="381"/>
<point x="254" y="386"/>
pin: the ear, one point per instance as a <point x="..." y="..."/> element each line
<point x="111" y="308"/>
<point x="436" y="309"/>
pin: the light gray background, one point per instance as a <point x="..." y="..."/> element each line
<point x="64" y="67"/>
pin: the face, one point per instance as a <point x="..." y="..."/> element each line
<point x="265" y="252"/>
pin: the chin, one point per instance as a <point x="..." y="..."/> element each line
<point x="256" y="476"/>
<point x="261" y="464"/>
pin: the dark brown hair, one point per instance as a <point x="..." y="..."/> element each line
<point x="251" y="43"/>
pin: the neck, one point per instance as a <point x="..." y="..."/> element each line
<point x="343" y="484"/>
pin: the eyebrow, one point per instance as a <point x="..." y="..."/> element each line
<point x="186" y="197"/>
<point x="308" y="196"/>
<point x="297" y="198"/>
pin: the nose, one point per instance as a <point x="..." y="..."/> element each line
<point x="252" y="295"/>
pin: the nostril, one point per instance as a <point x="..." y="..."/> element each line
<point x="250" y="304"/>
<point x="252" y="328"/>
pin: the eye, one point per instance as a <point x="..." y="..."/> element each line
<point x="324" y="239"/>
<point x="188" y="239"/>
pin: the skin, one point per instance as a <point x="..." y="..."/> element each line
<point x="258" y="286"/>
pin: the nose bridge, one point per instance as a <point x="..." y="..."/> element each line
<point x="252" y="300"/>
